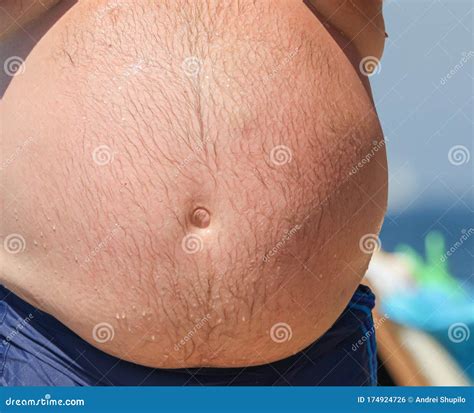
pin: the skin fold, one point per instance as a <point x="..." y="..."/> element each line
<point x="185" y="179"/>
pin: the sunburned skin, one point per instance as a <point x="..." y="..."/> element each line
<point x="182" y="182"/>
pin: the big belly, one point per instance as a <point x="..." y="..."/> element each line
<point x="193" y="195"/>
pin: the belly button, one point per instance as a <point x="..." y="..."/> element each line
<point x="201" y="218"/>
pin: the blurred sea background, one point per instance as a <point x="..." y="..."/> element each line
<point x="423" y="91"/>
<point x="424" y="96"/>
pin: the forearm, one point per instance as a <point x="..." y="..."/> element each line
<point x="360" y="21"/>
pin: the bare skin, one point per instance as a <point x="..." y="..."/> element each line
<point x="185" y="180"/>
<point x="359" y="21"/>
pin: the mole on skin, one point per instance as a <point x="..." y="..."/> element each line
<point x="201" y="218"/>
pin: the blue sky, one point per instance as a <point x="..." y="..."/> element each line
<point x="423" y="112"/>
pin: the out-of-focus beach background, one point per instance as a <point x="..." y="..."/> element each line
<point x="424" y="95"/>
<point x="424" y="114"/>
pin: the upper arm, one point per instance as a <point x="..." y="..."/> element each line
<point x="15" y="14"/>
<point x="360" y="21"/>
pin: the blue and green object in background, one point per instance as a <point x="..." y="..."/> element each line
<point x="437" y="303"/>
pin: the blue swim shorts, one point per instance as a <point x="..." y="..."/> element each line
<point x="37" y="350"/>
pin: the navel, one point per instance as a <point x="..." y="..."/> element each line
<point x="200" y="217"/>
